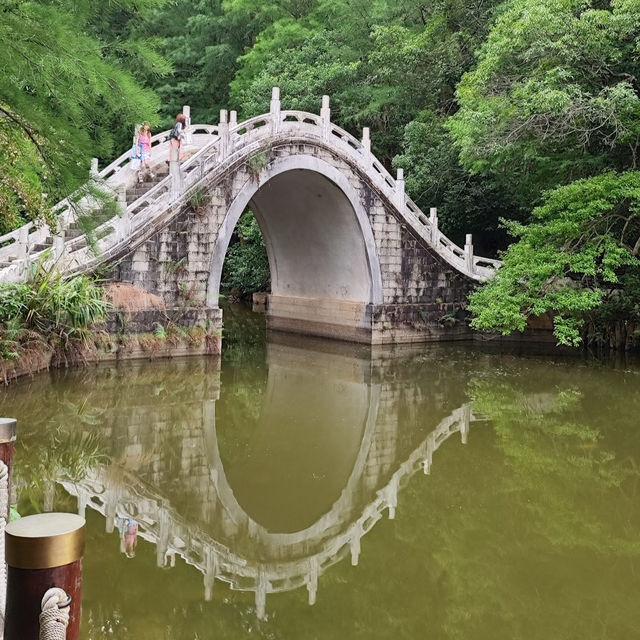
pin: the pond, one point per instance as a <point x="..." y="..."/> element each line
<point x="301" y="488"/>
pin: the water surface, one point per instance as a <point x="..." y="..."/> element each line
<point x="308" y="489"/>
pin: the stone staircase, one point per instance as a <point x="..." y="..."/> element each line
<point x="140" y="188"/>
<point x="76" y="229"/>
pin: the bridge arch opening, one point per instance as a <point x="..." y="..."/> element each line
<point x="320" y="245"/>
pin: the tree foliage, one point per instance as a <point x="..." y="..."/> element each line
<point x="578" y="259"/>
<point x="246" y="267"/>
<point x="554" y="96"/>
<point x="486" y="104"/>
<point x="65" y="96"/>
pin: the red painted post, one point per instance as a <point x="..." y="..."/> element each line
<point x="42" y="551"/>
<point x="8" y="428"/>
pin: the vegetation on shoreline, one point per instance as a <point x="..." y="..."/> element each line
<point x="246" y="267"/>
<point x="48" y="313"/>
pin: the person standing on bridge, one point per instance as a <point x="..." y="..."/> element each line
<point x="144" y="140"/>
<point x="175" y="138"/>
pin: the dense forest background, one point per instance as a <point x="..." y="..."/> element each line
<point x="519" y="119"/>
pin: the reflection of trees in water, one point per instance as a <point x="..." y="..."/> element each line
<point x="544" y="544"/>
<point x="565" y="465"/>
<point x="243" y="335"/>
<point x="243" y="376"/>
<point x="66" y="448"/>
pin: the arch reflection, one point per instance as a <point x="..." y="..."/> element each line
<point x="320" y="464"/>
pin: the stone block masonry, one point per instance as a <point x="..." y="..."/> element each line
<point x="345" y="264"/>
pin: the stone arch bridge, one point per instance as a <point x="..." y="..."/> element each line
<point x="350" y="255"/>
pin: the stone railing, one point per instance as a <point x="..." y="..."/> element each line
<point x="162" y="525"/>
<point x="219" y="146"/>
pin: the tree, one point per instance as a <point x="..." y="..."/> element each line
<point x="246" y="267"/>
<point x="554" y="96"/>
<point x="578" y="259"/>
<point x="64" y="97"/>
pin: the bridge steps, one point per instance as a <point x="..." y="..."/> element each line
<point x="140" y="188"/>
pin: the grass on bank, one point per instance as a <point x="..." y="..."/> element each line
<point x="48" y="313"/>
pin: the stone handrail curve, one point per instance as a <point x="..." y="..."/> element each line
<point x="231" y="140"/>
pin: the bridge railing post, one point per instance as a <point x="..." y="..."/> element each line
<point x="325" y="116"/>
<point x="22" y="247"/>
<point x="162" y="544"/>
<point x="312" y="580"/>
<point x="223" y="132"/>
<point x="233" y="123"/>
<point x="186" y="112"/>
<point x="275" y="110"/>
<point x="58" y="245"/>
<point x="392" y="497"/>
<point x="366" y="146"/>
<point x="124" y="226"/>
<point x="465" y="423"/>
<point x="400" y="190"/>
<point x="210" y="571"/>
<point x="262" y="585"/>
<point x="433" y="219"/>
<point x="468" y="253"/>
<point x="93" y="172"/>
<point x="121" y="196"/>
<point x="354" y="544"/>
<point x="175" y="173"/>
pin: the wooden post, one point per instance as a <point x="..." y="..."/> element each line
<point x="8" y="429"/>
<point x="42" y="551"/>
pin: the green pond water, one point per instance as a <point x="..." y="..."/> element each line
<point x="308" y="489"/>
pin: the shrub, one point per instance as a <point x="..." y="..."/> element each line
<point x="49" y="308"/>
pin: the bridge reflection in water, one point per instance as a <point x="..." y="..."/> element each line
<point x="325" y="460"/>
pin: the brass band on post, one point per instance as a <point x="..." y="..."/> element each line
<point x="8" y="428"/>
<point x="44" y="541"/>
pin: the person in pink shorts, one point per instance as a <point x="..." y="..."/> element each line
<point x="144" y="140"/>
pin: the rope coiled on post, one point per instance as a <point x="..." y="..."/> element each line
<point x="54" y="619"/>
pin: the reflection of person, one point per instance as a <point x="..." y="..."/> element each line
<point x="129" y="538"/>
